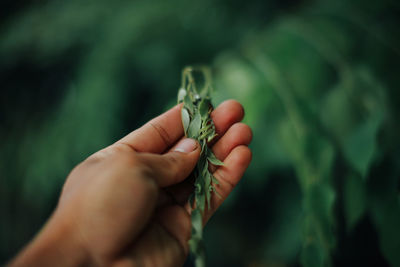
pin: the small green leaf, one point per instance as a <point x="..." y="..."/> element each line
<point x="213" y="159"/>
<point x="204" y="107"/>
<point x="188" y="103"/>
<point x="181" y="94"/>
<point x="211" y="137"/>
<point x="312" y="255"/>
<point x="200" y="262"/>
<point x="355" y="200"/>
<point x="194" y="126"/>
<point x="200" y="201"/>
<point x="197" y="223"/>
<point x="205" y="170"/>
<point x="202" y="161"/>
<point x="185" y="119"/>
<point x="197" y="187"/>
<point x="198" y="124"/>
<point x="360" y="145"/>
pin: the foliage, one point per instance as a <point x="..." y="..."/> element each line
<point x="318" y="80"/>
<point x="197" y="124"/>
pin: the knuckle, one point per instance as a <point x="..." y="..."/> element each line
<point x="121" y="148"/>
<point x="161" y="132"/>
<point x="124" y="154"/>
<point x="96" y="157"/>
<point x="118" y="150"/>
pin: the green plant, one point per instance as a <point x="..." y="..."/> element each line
<point x="197" y="124"/>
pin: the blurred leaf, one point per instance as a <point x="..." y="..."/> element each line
<point x="355" y="200"/>
<point x="312" y="256"/>
<point x="197" y="222"/>
<point x="386" y="214"/>
<point x="360" y="145"/>
<point x="383" y="194"/>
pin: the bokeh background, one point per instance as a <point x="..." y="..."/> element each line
<point x="319" y="81"/>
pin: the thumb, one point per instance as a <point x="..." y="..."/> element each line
<point x="174" y="166"/>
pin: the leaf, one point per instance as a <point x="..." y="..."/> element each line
<point x="200" y="201"/>
<point x="181" y="95"/>
<point x="384" y="209"/>
<point x="205" y="169"/>
<point x="312" y="255"/>
<point x="197" y="189"/>
<point x="194" y="126"/>
<point x="196" y="247"/>
<point x="197" y="223"/>
<point x="185" y="119"/>
<point x="319" y="202"/>
<point x="213" y="159"/>
<point x="198" y="125"/>
<point x="354" y="200"/>
<point x="201" y="162"/>
<point x="200" y="262"/>
<point x="210" y="138"/>
<point x="360" y="146"/>
<point x="204" y="107"/>
<point x="188" y="103"/>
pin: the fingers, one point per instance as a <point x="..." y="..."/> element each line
<point x="162" y="132"/>
<point x="158" y="134"/>
<point x="238" y="134"/>
<point x="225" y="115"/>
<point x="172" y="167"/>
<point x="229" y="175"/>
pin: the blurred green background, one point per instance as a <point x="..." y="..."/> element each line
<point x="319" y="81"/>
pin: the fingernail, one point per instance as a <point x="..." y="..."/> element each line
<point x="186" y="145"/>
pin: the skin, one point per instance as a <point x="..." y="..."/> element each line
<point x="126" y="205"/>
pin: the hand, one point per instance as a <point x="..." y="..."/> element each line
<point x="126" y="204"/>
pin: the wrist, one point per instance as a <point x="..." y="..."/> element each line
<point x="57" y="244"/>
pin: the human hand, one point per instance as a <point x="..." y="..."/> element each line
<point x="126" y="205"/>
